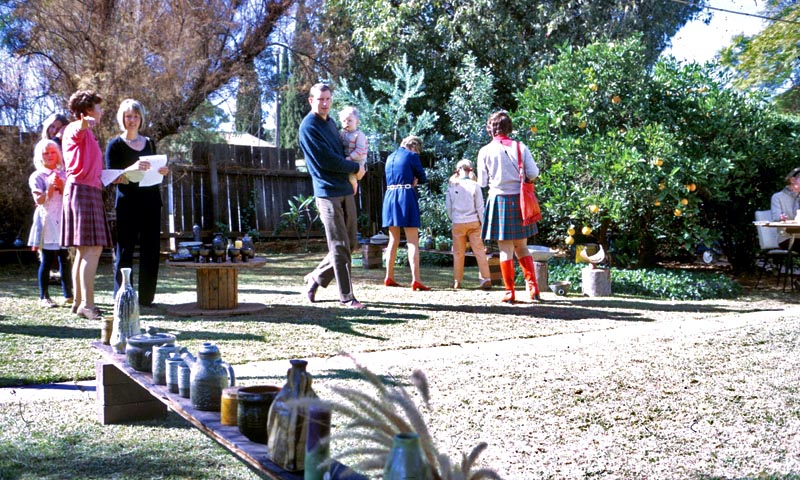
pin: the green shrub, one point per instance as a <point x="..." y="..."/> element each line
<point x="652" y="282"/>
<point x="672" y="156"/>
<point x="425" y="258"/>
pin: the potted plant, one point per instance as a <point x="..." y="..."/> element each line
<point x="443" y="243"/>
<point x="426" y="240"/>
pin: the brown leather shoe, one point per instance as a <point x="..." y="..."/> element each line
<point x="354" y="304"/>
<point x="311" y="287"/>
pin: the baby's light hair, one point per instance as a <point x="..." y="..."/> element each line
<point x="38" y="151"/>
<point x="346" y="112"/>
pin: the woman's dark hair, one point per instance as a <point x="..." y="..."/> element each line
<point x="499" y="123"/>
<point x="83" y="101"/>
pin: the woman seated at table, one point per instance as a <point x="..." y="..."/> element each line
<point x="785" y="205"/>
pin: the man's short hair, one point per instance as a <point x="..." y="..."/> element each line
<point x="318" y="88"/>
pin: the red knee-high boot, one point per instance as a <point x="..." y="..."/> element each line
<point x="507" y="270"/>
<point x="530" y="277"/>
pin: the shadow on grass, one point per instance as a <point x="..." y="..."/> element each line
<point x="578" y="309"/>
<point x="549" y="311"/>
<point x="48" y="331"/>
<point x="336" y="319"/>
<point x="76" y="455"/>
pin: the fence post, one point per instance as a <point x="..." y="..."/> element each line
<point x="171" y="213"/>
<point x="212" y="170"/>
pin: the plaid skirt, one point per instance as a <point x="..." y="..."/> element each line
<point x="84" y="218"/>
<point x="503" y="219"/>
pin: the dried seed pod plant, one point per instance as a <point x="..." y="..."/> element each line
<point x="372" y="420"/>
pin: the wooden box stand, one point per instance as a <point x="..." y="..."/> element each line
<point x="494" y="270"/>
<point x="121" y="400"/>
<point x="216" y="288"/>
<point x="371" y="256"/>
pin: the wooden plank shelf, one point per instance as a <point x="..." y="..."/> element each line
<point x="252" y="454"/>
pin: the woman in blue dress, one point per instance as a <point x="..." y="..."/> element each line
<point x="401" y="207"/>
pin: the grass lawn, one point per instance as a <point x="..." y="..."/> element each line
<point x="618" y="387"/>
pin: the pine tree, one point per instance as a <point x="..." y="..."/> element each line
<point x="248" y="118"/>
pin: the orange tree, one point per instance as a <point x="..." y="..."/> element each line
<point x="653" y="161"/>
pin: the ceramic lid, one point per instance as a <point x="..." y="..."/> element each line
<point x="152" y="337"/>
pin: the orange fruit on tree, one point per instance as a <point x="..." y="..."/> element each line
<point x="657" y="203"/>
<point x="616" y="99"/>
<point x="658" y="162"/>
<point x="692" y="187"/>
<point x="569" y="240"/>
<point x="586" y="231"/>
<point x="684" y="201"/>
<point x="593" y="87"/>
<point x="571" y="230"/>
<point x="678" y="212"/>
<point x="534" y="129"/>
<point x="582" y="124"/>
<point x="594" y="208"/>
<point x="662" y="186"/>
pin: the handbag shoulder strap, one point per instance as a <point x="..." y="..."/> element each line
<point x="519" y="162"/>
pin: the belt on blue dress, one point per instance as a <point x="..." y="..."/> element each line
<point x="394" y="187"/>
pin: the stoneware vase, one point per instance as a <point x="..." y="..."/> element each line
<point x="405" y="460"/>
<point x="126" y="313"/>
<point x="286" y="425"/>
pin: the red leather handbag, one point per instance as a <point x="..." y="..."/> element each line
<point x="529" y="204"/>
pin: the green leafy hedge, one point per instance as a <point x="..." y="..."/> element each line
<point x="652" y="282"/>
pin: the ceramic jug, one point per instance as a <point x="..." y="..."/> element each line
<point x="286" y="424"/>
<point x="210" y="375"/>
<point x="126" y="314"/>
<point x="159" y="364"/>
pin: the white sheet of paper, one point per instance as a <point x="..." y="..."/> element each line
<point x="108" y="176"/>
<point x="151" y="176"/>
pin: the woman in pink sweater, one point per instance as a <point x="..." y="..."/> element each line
<point x="84" y="226"/>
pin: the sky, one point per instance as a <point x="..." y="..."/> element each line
<point x="698" y="42"/>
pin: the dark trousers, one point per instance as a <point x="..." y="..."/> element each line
<point x="48" y="256"/>
<point x="140" y="225"/>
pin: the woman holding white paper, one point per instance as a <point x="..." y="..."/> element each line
<point x="138" y="208"/>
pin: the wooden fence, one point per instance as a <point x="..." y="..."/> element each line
<point x="243" y="188"/>
<point x="248" y="188"/>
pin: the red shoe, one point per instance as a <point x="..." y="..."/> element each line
<point x="389" y="282"/>
<point x="418" y="286"/>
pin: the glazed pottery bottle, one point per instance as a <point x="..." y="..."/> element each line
<point x="209" y="377"/>
<point x="126" y="313"/>
<point x="405" y="461"/>
<point x="317" y="446"/>
<point x="286" y="425"/>
<point x="219" y="247"/>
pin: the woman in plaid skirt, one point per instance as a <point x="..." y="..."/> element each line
<point x="84" y="224"/>
<point x="498" y="168"/>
